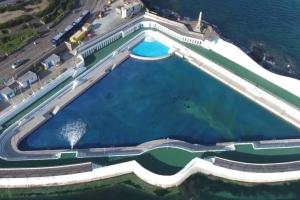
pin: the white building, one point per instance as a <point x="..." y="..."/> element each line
<point x="7" y="93"/>
<point x="27" y="79"/>
<point x="51" y="61"/>
<point x="131" y="8"/>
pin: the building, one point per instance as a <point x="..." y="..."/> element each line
<point x="27" y="79"/>
<point x="15" y="86"/>
<point x="51" y="61"/>
<point x="130" y="8"/>
<point x="7" y="93"/>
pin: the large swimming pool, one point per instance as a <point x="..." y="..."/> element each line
<point x="142" y="101"/>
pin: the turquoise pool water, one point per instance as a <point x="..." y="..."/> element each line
<point x="150" y="48"/>
<point x="141" y="101"/>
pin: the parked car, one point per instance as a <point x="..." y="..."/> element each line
<point x="18" y="63"/>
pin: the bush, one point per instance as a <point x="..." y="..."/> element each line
<point x="11" y="42"/>
<point x="17" y="21"/>
<point x="11" y="8"/>
<point x="61" y="9"/>
<point x="19" y="6"/>
<point x="49" y="9"/>
<point x="5" y="31"/>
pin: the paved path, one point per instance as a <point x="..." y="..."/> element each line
<point x="45" y="171"/>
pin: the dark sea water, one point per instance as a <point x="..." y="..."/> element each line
<point x="274" y="23"/>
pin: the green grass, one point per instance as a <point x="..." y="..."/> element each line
<point x="174" y="157"/>
<point x="68" y="155"/>
<point x="55" y="13"/>
<point x="92" y="59"/>
<point x="14" y="41"/>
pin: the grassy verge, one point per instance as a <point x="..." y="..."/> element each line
<point x="12" y="42"/>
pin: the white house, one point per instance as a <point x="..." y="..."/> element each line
<point x="51" y="61"/>
<point x="131" y="8"/>
<point x="27" y="79"/>
<point x="7" y="93"/>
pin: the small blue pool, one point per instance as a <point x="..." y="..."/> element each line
<point x="150" y="48"/>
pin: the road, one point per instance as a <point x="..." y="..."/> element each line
<point x="43" y="45"/>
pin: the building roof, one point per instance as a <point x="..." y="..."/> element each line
<point x="14" y="86"/>
<point x="6" y="90"/>
<point x="53" y="58"/>
<point x="28" y="75"/>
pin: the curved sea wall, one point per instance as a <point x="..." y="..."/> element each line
<point x="196" y="165"/>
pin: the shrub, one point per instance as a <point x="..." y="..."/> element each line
<point x="17" y="21"/>
<point x="49" y="9"/>
<point x="5" y="31"/>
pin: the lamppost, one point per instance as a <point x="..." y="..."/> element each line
<point x="31" y="88"/>
<point x="21" y="93"/>
<point x="40" y="81"/>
